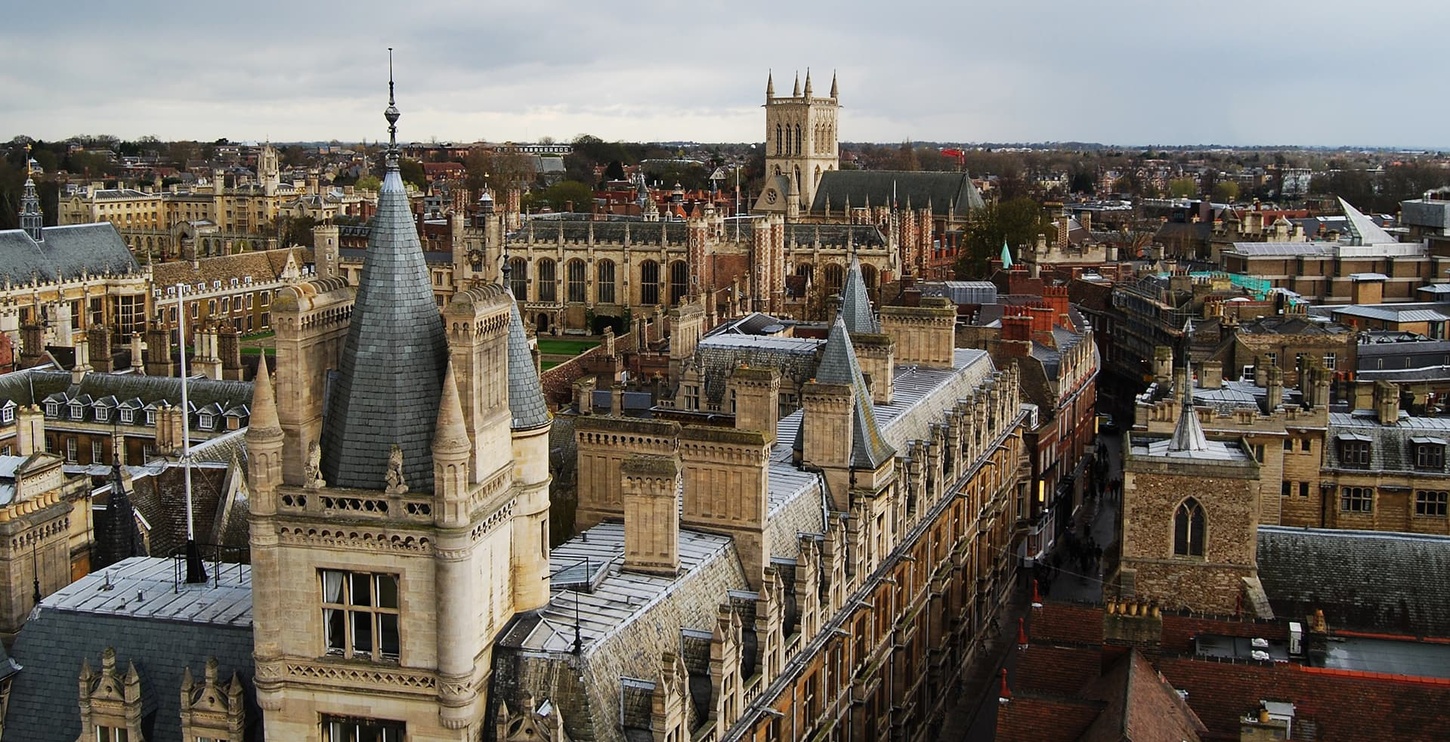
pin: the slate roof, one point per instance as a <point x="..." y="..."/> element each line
<point x="162" y="634"/>
<point x="64" y="253"/>
<point x="717" y="355"/>
<point x="390" y="379"/>
<point x="527" y="407"/>
<point x="1368" y="580"/>
<point x="856" y="304"/>
<point x="615" y="231"/>
<point x="33" y="386"/>
<point x="837" y="236"/>
<point x="839" y="366"/>
<point x="1391" y="447"/>
<point x="942" y="191"/>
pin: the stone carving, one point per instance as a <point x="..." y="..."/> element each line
<point x="396" y="484"/>
<point x="312" y="477"/>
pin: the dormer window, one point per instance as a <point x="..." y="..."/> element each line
<point x="1354" y="451"/>
<point x="52" y="409"/>
<point x="103" y="415"/>
<point x="151" y="417"/>
<point x="7" y="414"/>
<point x="128" y="416"/>
<point x="77" y="412"/>
<point x="205" y="421"/>
<point x="1429" y="453"/>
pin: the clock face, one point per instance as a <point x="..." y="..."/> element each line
<point x="771" y="195"/>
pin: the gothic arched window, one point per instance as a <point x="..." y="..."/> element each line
<point x="1188" y="528"/>
<point x="548" y="289"/>
<point x="797" y="138"/>
<point x="649" y="283"/>
<point x="519" y="278"/>
<point x="777" y="139"/>
<point x="606" y="281"/>
<point x="679" y="278"/>
<point x="574" y="275"/>
<point x="835" y="278"/>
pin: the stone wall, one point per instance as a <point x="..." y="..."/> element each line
<point x="558" y="382"/>
<point x="1153" y="490"/>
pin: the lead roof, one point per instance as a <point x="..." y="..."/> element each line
<point x="390" y="379"/>
<point x="64" y="253"/>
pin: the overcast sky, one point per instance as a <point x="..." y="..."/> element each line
<point x="1299" y="72"/>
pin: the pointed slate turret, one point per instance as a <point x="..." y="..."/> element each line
<point x="527" y="408"/>
<point x="839" y="366"/>
<point x="1188" y="435"/>
<point x="120" y="540"/>
<point x="855" y="303"/>
<point x="390" y="378"/>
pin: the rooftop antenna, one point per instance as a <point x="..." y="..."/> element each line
<point x="195" y="569"/>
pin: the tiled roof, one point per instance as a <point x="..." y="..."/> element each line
<point x="266" y="265"/>
<point x="390" y="379"/>
<point x="162" y="633"/>
<point x="942" y="191"/>
<point x="64" y="253"/>
<point x="1375" y="581"/>
<point x="1390" y="445"/>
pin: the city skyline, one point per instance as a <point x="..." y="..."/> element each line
<point x="1130" y="73"/>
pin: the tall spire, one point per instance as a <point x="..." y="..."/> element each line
<point x="835" y="92"/>
<point x="797" y="92"/>
<point x="392" y="114"/>
<point x="808" y="82"/>
<point x="390" y="377"/>
<point x="769" y="85"/>
<point x="31" y="219"/>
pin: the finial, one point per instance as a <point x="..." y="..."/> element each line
<point x="392" y="115"/>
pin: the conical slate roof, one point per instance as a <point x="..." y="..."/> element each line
<point x="1188" y="435"/>
<point x="389" y="382"/>
<point x="839" y="366"/>
<point x="856" y="304"/>
<point x="527" y="408"/>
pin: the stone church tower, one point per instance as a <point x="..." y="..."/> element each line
<point x="800" y="145"/>
<point x="401" y="522"/>
<point x="1190" y="514"/>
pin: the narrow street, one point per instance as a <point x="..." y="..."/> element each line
<point x="974" y="717"/>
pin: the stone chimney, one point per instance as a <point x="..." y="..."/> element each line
<point x="1261" y="372"/>
<point x="651" y="514"/>
<point x="877" y="355"/>
<point x="1273" y="389"/>
<point x="616" y="400"/>
<point x="726" y="490"/>
<point x="138" y="354"/>
<point x="1315" y="386"/>
<point x="584" y="395"/>
<point x="98" y="342"/>
<point x="757" y="399"/>
<point x="1210" y="375"/>
<point x="158" y="352"/>
<point x="32" y="345"/>
<point x="229" y="350"/>
<point x="205" y="360"/>
<point x="29" y="430"/>
<point x="82" y="363"/>
<point x="1387" y="402"/>
<point x="1162" y="365"/>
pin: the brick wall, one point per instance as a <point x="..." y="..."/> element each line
<point x="558" y="382"/>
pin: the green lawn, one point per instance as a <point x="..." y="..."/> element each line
<point x="557" y="347"/>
